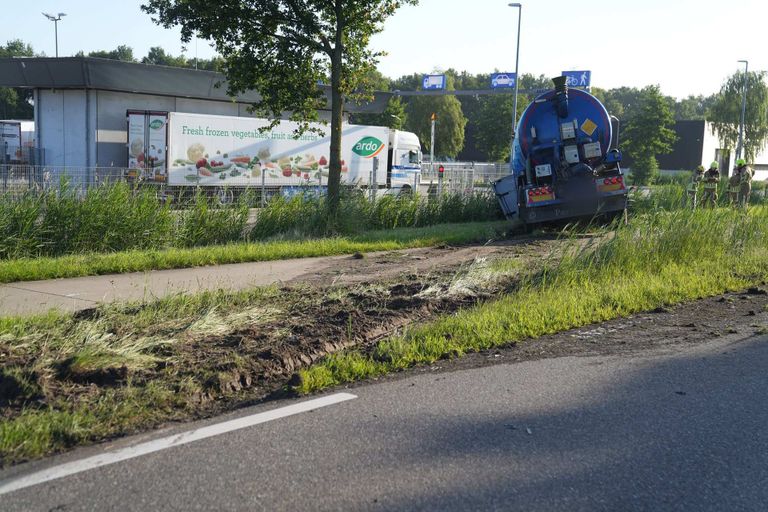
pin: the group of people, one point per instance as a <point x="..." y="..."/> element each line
<point x="739" y="185"/>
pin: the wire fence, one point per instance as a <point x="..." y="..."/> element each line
<point x="461" y="178"/>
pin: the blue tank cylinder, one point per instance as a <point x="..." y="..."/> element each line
<point x="553" y="124"/>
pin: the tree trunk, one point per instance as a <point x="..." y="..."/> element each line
<point x="337" y="109"/>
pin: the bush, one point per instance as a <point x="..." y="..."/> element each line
<point x="645" y="170"/>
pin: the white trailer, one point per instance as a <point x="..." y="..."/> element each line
<point x="183" y="149"/>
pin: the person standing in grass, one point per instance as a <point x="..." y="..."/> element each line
<point x="734" y="186"/>
<point x="693" y="186"/>
<point x="745" y="181"/>
<point x="711" y="179"/>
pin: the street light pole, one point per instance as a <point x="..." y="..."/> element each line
<point x="56" y="19"/>
<point x="517" y="80"/>
<point x="740" y="145"/>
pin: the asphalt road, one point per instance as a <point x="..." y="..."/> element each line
<point x="681" y="429"/>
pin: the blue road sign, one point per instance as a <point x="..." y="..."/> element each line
<point x="433" y="82"/>
<point x="580" y="79"/>
<point x="503" y="80"/>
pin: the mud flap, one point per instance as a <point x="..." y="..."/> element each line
<point x="506" y="193"/>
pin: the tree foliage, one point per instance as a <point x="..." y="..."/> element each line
<point x="122" y="52"/>
<point x="284" y="48"/>
<point x="494" y="123"/>
<point x="648" y="133"/>
<point x="726" y="113"/>
<point x="449" y="127"/>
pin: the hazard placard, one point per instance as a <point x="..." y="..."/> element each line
<point x="588" y="127"/>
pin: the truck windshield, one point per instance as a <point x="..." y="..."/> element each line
<point x="414" y="157"/>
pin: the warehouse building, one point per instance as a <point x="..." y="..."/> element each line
<point x="80" y="103"/>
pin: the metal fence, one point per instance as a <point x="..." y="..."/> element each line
<point x="461" y="177"/>
<point x="19" y="178"/>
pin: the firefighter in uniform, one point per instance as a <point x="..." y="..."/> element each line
<point x="745" y="175"/>
<point x="693" y="186"/>
<point x="734" y="186"/>
<point x="711" y="179"/>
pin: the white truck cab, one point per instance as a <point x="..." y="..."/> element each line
<point x="403" y="161"/>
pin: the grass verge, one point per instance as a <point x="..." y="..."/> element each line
<point x="658" y="260"/>
<point x="30" y="269"/>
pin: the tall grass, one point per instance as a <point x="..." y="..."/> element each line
<point x="309" y="216"/>
<point x="671" y="195"/>
<point x="115" y="217"/>
<point x="657" y="260"/>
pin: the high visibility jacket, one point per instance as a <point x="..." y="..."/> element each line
<point x="746" y="175"/>
<point x="711" y="177"/>
<point x="693" y="185"/>
<point x="734" y="183"/>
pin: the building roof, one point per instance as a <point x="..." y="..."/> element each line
<point x="121" y="76"/>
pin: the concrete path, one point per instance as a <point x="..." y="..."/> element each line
<point x="30" y="297"/>
<point x="84" y="292"/>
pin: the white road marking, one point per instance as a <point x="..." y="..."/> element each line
<point x="130" y="452"/>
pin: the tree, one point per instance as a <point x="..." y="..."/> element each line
<point x="157" y="56"/>
<point x="694" y="107"/>
<point x="122" y="52"/>
<point x="394" y="116"/>
<point x="726" y="113"/>
<point x="450" y="124"/>
<point x="284" y="48"/>
<point x="648" y="133"/>
<point x="15" y="103"/>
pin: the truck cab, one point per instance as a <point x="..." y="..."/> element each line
<point x="403" y="161"/>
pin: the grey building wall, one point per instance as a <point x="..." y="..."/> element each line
<point x="88" y="128"/>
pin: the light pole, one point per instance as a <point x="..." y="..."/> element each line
<point x="517" y="81"/>
<point x="740" y="145"/>
<point x="55" y="19"/>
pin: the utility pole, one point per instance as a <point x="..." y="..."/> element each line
<point x="519" y="7"/>
<point x="740" y="145"/>
<point x="56" y="19"/>
<point x="432" y="155"/>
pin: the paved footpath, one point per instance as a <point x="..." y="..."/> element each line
<point x="74" y="294"/>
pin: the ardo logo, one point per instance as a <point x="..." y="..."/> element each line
<point x="368" y="147"/>
<point x="156" y="124"/>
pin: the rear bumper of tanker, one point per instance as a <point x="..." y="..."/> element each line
<point x="564" y="211"/>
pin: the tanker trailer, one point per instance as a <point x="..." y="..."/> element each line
<point x="563" y="164"/>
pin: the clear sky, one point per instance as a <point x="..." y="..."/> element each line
<point x="685" y="46"/>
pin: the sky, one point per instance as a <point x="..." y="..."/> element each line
<point x="684" y="46"/>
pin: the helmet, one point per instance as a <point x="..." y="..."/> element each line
<point x="700" y="168"/>
<point x="741" y="162"/>
<point x="714" y="165"/>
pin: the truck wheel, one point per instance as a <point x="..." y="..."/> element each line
<point x="225" y="195"/>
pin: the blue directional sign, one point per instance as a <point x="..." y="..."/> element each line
<point x="433" y="82"/>
<point x="581" y="79"/>
<point x="503" y="80"/>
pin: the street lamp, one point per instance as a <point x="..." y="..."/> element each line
<point x="517" y="80"/>
<point x="55" y="19"/>
<point x="740" y="145"/>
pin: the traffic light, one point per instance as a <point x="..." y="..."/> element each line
<point x="441" y="169"/>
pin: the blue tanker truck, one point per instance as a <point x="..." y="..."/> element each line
<point x="565" y="163"/>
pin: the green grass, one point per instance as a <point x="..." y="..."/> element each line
<point x="115" y="217"/>
<point x="657" y="260"/>
<point x="27" y="269"/>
